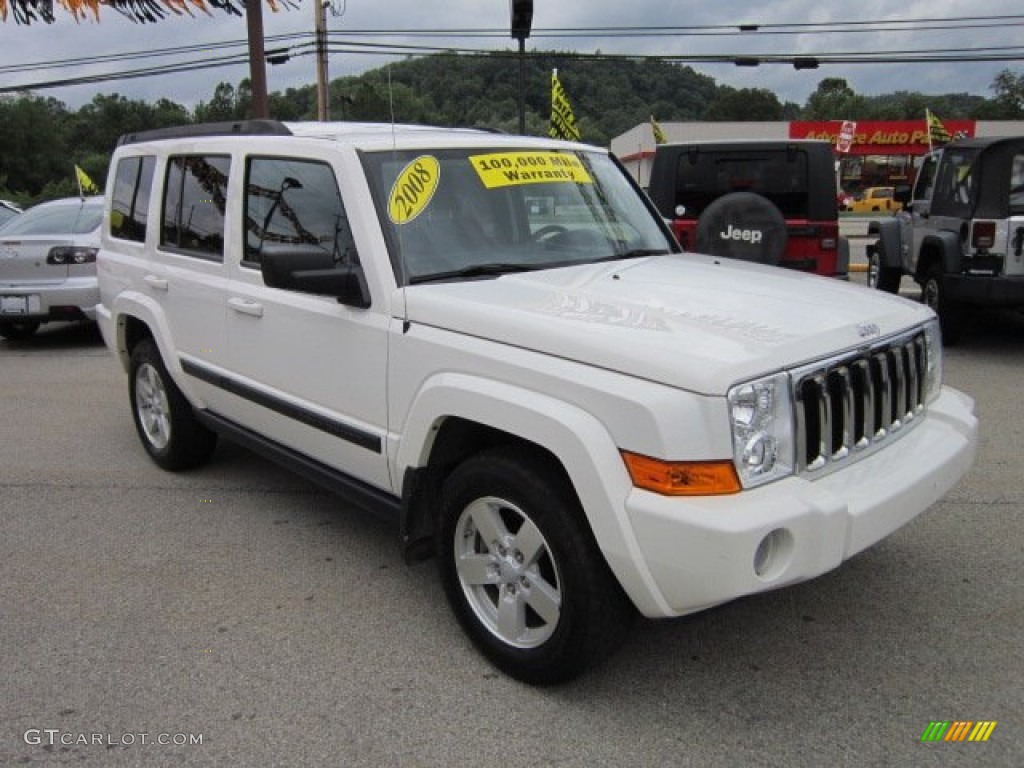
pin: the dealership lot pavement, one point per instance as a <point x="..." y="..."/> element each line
<point x="244" y="608"/>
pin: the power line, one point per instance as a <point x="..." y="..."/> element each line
<point x="748" y="31"/>
<point x="301" y="44"/>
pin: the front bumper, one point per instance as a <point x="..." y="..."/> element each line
<point x="705" y="551"/>
<point x="72" y="299"/>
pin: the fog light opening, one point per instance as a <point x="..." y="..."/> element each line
<point x="773" y="554"/>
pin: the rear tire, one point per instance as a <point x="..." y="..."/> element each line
<point x="164" y="419"/>
<point x="522" y="570"/>
<point x="18" y="330"/>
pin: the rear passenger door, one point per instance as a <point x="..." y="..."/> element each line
<point x="187" y="276"/>
<point x="310" y="370"/>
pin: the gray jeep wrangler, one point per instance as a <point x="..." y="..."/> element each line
<point x="961" y="234"/>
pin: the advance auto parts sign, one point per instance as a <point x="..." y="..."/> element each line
<point x="509" y="169"/>
<point x="879" y="137"/>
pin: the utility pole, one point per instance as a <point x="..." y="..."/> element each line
<point x="522" y="20"/>
<point x="320" y="26"/>
<point x="257" y="64"/>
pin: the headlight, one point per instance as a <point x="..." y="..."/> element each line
<point x="933" y="364"/>
<point x="761" y="415"/>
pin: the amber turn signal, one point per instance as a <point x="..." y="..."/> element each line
<point x="682" y="478"/>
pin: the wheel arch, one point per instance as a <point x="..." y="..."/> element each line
<point x="942" y="248"/>
<point x="136" y="317"/>
<point x="887" y="246"/>
<point x="457" y="414"/>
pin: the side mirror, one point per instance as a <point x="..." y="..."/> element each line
<point x="902" y="195"/>
<point x="308" y="269"/>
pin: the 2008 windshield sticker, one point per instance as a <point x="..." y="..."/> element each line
<point x="509" y="169"/>
<point x="413" y="189"/>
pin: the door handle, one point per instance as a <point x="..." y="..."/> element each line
<point x="246" y="307"/>
<point x="158" y="283"/>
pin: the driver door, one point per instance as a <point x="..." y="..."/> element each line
<point x="311" y="370"/>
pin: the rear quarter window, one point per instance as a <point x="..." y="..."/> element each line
<point x="1017" y="185"/>
<point x="129" y="202"/>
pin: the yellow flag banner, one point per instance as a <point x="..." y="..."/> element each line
<point x="659" y="135"/>
<point x="937" y="133"/>
<point x="563" y="121"/>
<point x="85" y="184"/>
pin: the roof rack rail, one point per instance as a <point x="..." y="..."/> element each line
<point x="229" y="128"/>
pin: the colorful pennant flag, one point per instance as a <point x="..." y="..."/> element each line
<point x="563" y="121"/>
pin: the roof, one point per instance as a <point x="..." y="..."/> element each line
<point x="363" y="135"/>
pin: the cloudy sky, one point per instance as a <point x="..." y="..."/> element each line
<point x="24" y="50"/>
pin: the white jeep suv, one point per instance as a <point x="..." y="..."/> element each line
<point x="496" y="341"/>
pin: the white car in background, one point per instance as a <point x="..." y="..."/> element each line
<point x="48" y="265"/>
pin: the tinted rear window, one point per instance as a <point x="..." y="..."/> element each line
<point x="57" y="219"/>
<point x="779" y="175"/>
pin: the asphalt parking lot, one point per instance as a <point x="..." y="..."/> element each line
<point x="243" y="606"/>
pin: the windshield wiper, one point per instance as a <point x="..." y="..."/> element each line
<point x="479" y="270"/>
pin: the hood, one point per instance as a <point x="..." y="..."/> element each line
<point x="687" y="320"/>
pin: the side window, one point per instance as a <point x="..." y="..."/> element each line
<point x="1017" y="185"/>
<point x="130" y="199"/>
<point x="954" y="184"/>
<point x="193" y="211"/>
<point x="925" y="180"/>
<point x="294" y="206"/>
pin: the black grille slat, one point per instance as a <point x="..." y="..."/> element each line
<point x="845" y="407"/>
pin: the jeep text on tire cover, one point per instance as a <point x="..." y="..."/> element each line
<point x="495" y="342"/>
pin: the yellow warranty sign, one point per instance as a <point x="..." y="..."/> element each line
<point x="413" y="189"/>
<point x="509" y="169"/>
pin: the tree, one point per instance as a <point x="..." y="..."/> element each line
<point x="33" y="137"/>
<point x="745" y="104"/>
<point x="834" y="99"/>
<point x="1009" y="90"/>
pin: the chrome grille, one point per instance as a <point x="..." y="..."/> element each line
<point x="850" y="405"/>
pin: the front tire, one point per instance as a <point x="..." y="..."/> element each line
<point x="880" y="276"/>
<point x="164" y="419"/>
<point x="951" y="313"/>
<point x="522" y="571"/>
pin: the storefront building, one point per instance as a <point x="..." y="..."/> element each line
<point x="876" y="153"/>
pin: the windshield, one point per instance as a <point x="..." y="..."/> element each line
<point x="455" y="214"/>
<point x="62" y="219"/>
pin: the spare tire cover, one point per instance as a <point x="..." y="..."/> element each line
<point x="742" y="225"/>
